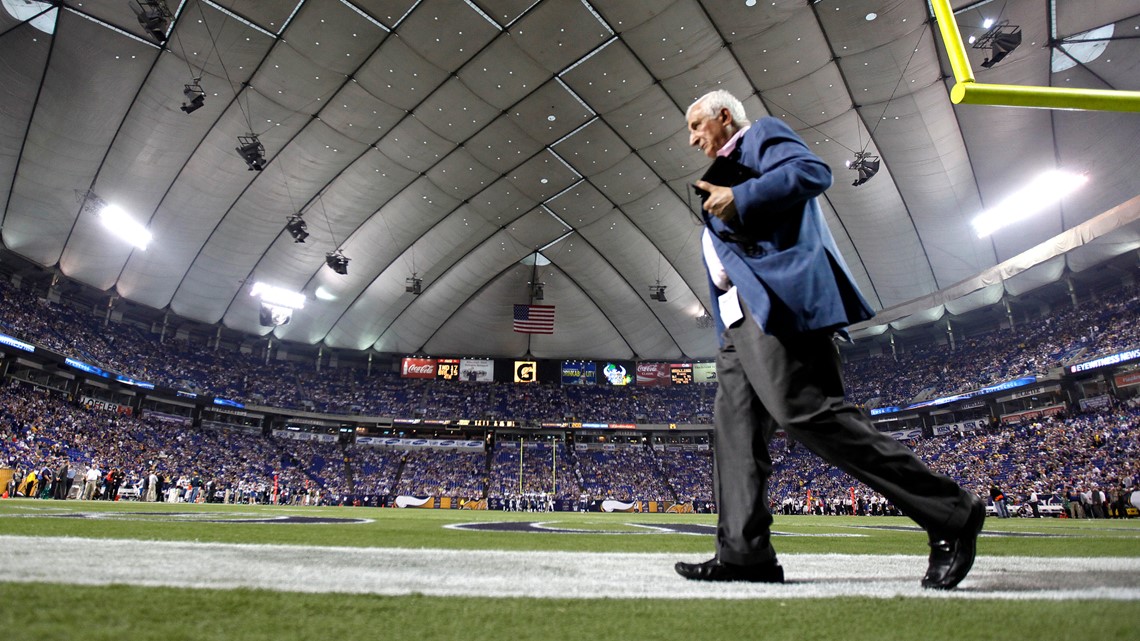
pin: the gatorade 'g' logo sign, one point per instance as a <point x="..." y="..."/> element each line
<point x="526" y="372"/>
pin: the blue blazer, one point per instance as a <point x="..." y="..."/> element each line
<point x="790" y="273"/>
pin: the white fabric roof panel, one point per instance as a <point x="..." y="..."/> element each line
<point x="454" y="138"/>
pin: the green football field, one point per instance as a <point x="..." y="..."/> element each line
<point x="125" y="571"/>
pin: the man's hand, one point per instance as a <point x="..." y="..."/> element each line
<point x="720" y="202"/>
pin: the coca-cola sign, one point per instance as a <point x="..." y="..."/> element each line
<point x="418" y="368"/>
<point x="653" y="374"/>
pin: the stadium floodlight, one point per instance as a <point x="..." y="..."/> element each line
<point x="272" y="295"/>
<point x="122" y="225"/>
<point x="337" y="261"/>
<point x="195" y="95"/>
<point x="252" y="152"/>
<point x="864" y="163"/>
<point x="1041" y="192"/>
<point x="154" y="17"/>
<point x="657" y="292"/>
<point x="297" y="228"/>
<point x="1001" y="39"/>
<point x="414" y="285"/>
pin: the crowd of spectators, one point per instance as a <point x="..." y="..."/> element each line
<point x="1091" y="459"/>
<point x="185" y="361"/>
<point x="1031" y="349"/>
<point x="55" y="444"/>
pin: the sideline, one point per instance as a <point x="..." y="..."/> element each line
<point x="494" y="573"/>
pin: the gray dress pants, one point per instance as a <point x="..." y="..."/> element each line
<point x="794" y="382"/>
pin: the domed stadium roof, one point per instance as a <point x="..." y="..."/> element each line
<point x="483" y="147"/>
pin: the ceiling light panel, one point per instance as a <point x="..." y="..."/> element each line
<point x="67" y="139"/>
<point x="388" y="12"/>
<point x="399" y="76"/>
<point x="502" y="203"/>
<point x="413" y="146"/>
<point x="626" y="181"/>
<point x="289" y="78"/>
<point x="550" y="113"/>
<point x="239" y="49"/>
<point x="543" y="176"/>
<point x="357" y="114"/>
<point x="593" y="148"/>
<point x="674" y="159"/>
<point x="535" y="229"/>
<point x="609" y="78"/>
<point x="720" y="71"/>
<point x="678" y="38"/>
<point x="270" y="16"/>
<point x="738" y="21"/>
<point x="417" y="209"/>
<point x="1079" y="17"/>
<point x="460" y="175"/>
<point x="502" y="145"/>
<point x="779" y="56"/>
<point x="895" y="21"/>
<point x="647" y="119"/>
<point x="333" y="36"/>
<point x="558" y="32"/>
<point x="505" y="11"/>
<point x="580" y="205"/>
<point x="447" y="34"/>
<point x="502" y="74"/>
<point x="454" y="112"/>
<point x="623" y="15"/>
<point x="612" y="292"/>
<point x="874" y="75"/>
<point x="815" y="99"/>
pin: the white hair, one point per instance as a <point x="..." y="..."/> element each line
<point x="712" y="102"/>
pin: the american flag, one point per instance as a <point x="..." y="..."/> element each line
<point x="534" y="319"/>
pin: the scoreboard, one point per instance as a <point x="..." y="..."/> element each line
<point x="681" y="374"/>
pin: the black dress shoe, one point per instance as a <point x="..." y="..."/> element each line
<point x="714" y="570"/>
<point x="951" y="557"/>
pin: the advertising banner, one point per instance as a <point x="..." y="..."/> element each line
<point x="579" y="373"/>
<point x="477" y="370"/>
<point x="1128" y="379"/>
<point x="526" y="372"/>
<point x="418" y="368"/>
<point x="617" y="373"/>
<point x="704" y="372"/>
<point x="653" y="374"/>
<point x="418" y="443"/>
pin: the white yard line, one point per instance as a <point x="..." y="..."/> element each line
<point x="492" y="573"/>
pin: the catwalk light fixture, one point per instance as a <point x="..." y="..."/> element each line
<point x="337" y="261"/>
<point x="297" y="228"/>
<point x="864" y="163"/>
<point x="1001" y="39"/>
<point x="252" y="152"/>
<point x="154" y="17"/>
<point x="194" y="95"/>
<point x="414" y="285"/>
<point x="1041" y="192"/>
<point x="538" y="291"/>
<point x="657" y="292"/>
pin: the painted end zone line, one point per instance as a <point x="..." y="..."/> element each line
<point x="493" y="573"/>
